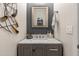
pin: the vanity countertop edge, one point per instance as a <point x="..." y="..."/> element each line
<point x="40" y="41"/>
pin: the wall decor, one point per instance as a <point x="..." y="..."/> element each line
<point x="8" y="12"/>
<point x="39" y="18"/>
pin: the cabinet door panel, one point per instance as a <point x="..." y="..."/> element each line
<point x="27" y="51"/>
<point x="37" y="50"/>
<point x="19" y="50"/>
<point x="24" y="50"/>
<point x="53" y="50"/>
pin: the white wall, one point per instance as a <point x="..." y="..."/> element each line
<point x="8" y="41"/>
<point x="67" y="16"/>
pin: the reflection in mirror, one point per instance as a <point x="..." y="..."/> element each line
<point x="39" y="16"/>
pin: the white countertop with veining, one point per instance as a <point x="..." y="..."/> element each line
<point x="40" y="41"/>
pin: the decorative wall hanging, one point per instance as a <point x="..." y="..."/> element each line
<point x="8" y="13"/>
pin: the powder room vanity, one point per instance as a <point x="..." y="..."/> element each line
<point x="39" y="20"/>
<point x="44" y="47"/>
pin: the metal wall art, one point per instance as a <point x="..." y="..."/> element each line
<point x="8" y="13"/>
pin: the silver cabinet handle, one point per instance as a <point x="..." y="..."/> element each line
<point x="53" y="49"/>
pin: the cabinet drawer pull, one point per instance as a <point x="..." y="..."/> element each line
<point x="53" y="49"/>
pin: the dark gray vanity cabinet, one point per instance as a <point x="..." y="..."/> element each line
<point x="54" y="50"/>
<point x="24" y="50"/>
<point x="39" y="50"/>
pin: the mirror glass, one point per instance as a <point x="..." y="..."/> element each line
<point x="39" y="16"/>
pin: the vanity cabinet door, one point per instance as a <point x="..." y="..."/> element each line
<point x="24" y="50"/>
<point x="54" y="50"/>
<point x="19" y="50"/>
<point x="37" y="50"/>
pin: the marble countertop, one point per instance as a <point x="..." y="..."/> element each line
<point x="40" y="41"/>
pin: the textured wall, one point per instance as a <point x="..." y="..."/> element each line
<point x="67" y="17"/>
<point x="8" y="41"/>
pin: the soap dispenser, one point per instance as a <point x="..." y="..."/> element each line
<point x="49" y="35"/>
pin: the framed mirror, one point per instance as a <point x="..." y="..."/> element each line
<point x="39" y="16"/>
